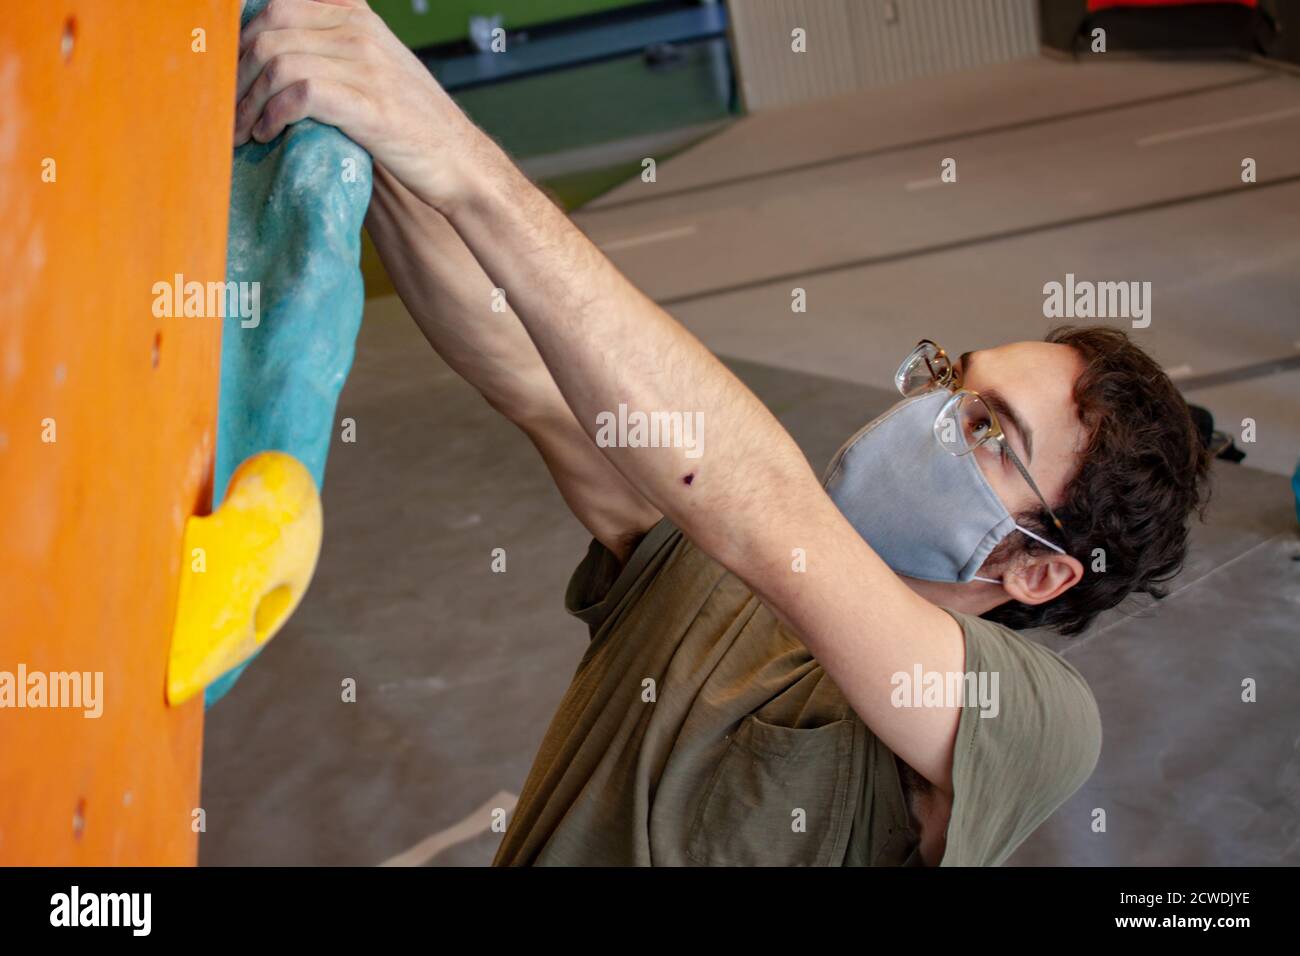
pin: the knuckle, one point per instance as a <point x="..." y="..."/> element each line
<point x="357" y="16"/>
<point x="277" y="115"/>
<point x="361" y="45"/>
<point x="276" y="71"/>
<point x="303" y="92"/>
<point x="262" y="48"/>
<point x="276" y="12"/>
<point x="271" y="110"/>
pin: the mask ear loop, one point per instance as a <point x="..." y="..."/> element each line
<point x="1056" y="548"/>
<point x="1022" y="530"/>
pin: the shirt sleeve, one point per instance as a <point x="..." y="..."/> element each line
<point x="1022" y="750"/>
<point x="599" y="582"/>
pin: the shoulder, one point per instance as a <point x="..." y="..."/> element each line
<point x="1042" y="698"/>
<point x="1031" y="746"/>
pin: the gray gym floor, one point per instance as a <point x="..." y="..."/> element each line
<point x="1115" y="171"/>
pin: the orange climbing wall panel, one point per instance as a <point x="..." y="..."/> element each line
<point x="137" y="124"/>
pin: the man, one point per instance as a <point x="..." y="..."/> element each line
<point x="781" y="671"/>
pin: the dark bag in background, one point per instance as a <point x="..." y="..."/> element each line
<point x="1219" y="444"/>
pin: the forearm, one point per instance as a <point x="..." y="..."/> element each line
<point x="451" y="299"/>
<point x="604" y="343"/>
<point x="746" y="500"/>
<point x="607" y="344"/>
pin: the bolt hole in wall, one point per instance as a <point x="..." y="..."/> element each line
<point x="68" y="38"/>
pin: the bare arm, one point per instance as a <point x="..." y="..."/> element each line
<point x="752" y="499"/>
<point x="438" y="279"/>
<point x="451" y="299"/>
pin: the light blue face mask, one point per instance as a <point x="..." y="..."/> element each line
<point x="929" y="514"/>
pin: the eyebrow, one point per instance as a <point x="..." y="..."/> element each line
<point x="1002" y="408"/>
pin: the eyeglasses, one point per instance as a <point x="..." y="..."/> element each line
<point x="966" y="421"/>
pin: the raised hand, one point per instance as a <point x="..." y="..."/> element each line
<point x="337" y="62"/>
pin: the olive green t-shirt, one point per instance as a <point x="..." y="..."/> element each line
<point x="699" y="731"/>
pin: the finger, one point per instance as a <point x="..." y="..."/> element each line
<point x="292" y="15"/>
<point x="279" y="74"/>
<point x="328" y="101"/>
<point x="276" y="43"/>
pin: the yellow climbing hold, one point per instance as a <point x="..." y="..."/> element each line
<point x="246" y="566"/>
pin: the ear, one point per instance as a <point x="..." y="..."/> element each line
<point x="1042" y="578"/>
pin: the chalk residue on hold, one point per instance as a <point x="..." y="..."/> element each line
<point x="295" y="228"/>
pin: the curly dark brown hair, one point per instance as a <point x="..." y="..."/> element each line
<point x="1144" y="472"/>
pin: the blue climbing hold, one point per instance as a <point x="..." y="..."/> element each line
<point x="296" y="209"/>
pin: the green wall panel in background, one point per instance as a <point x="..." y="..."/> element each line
<point x="447" y="21"/>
